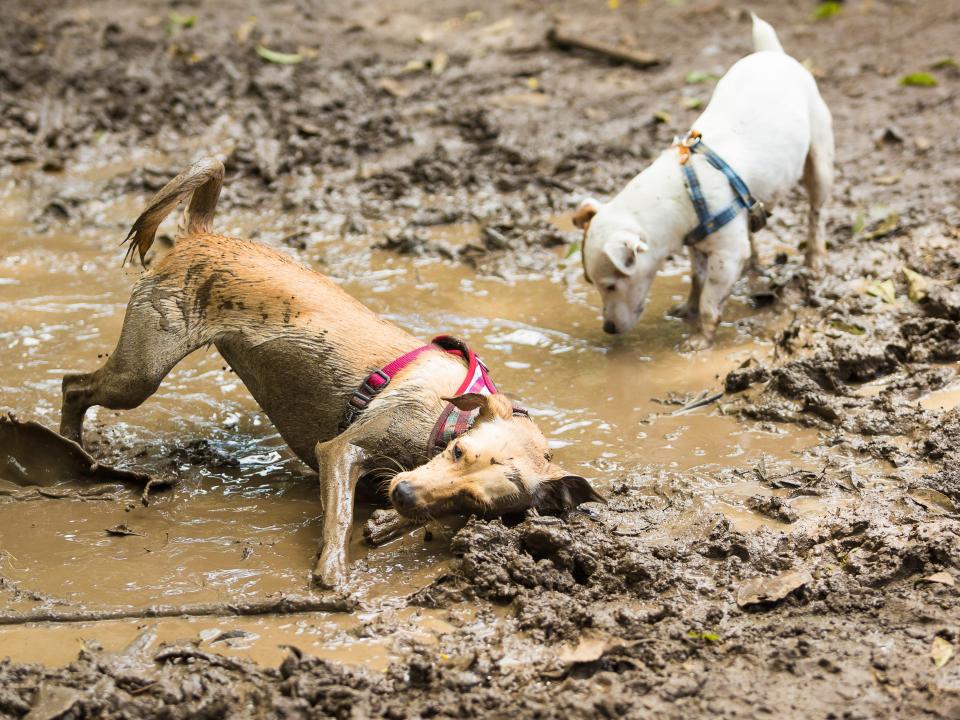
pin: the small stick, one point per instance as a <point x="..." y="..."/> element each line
<point x="698" y="403"/>
<point x="565" y="41"/>
<point x="283" y="605"/>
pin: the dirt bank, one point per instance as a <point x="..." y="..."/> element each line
<point x="787" y="552"/>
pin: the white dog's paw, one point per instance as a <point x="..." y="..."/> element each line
<point x="696" y="343"/>
<point x="683" y="311"/>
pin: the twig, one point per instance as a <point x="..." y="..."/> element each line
<point x="700" y="402"/>
<point x="565" y="40"/>
<point x="283" y="605"/>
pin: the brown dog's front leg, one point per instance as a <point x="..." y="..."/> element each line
<point x="339" y="464"/>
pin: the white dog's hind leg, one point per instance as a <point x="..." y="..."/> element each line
<point x="724" y="267"/>
<point x="818" y="180"/>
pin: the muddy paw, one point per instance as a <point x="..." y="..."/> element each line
<point x="330" y="572"/>
<point x="683" y="311"/>
<point x="696" y="343"/>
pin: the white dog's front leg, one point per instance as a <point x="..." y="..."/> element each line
<point x="724" y="268"/>
<point x="339" y="464"/>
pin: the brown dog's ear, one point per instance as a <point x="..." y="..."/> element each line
<point x="491" y="406"/>
<point x="557" y="495"/>
<point x="585" y="212"/>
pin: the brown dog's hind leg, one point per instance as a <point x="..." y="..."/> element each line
<point x="154" y="339"/>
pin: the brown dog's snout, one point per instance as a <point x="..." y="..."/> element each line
<point x="403" y="496"/>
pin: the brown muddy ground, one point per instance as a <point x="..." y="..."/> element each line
<point x="789" y="551"/>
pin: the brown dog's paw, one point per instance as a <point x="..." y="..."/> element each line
<point x="330" y="572"/>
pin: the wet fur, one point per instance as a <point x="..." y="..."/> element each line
<point x="298" y="342"/>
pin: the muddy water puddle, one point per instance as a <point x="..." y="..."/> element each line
<point x="244" y="520"/>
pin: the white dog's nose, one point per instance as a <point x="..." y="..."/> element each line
<point x="609" y="326"/>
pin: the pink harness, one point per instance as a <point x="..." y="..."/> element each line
<point x="452" y="422"/>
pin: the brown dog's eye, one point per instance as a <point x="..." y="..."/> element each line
<point x="457" y="453"/>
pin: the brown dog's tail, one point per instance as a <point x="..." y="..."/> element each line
<point x="203" y="180"/>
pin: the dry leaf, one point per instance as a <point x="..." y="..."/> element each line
<point x="887" y="179"/>
<point x="394" y="87"/>
<point x="941" y="651"/>
<point x="771" y="589"/>
<point x="439" y="62"/>
<point x="932" y="500"/>
<point x="590" y="647"/>
<point x="917" y="285"/>
<point x="883" y="289"/>
<point x="244" y="29"/>
<point x="943" y="578"/>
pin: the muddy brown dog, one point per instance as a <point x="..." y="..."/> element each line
<point x="346" y="390"/>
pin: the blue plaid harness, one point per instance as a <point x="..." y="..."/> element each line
<point x="742" y="199"/>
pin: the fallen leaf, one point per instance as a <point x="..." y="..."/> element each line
<point x="887" y="179"/>
<point x="394" y="87"/>
<point x="826" y="10"/>
<point x="499" y="27"/>
<point x="439" y="62"/>
<point x="941" y="651"/>
<point x="705" y="635"/>
<point x="917" y="285"/>
<point x="847" y="327"/>
<point x="918" y="79"/>
<point x="175" y="20"/>
<point x="695" y="77"/>
<point x="613" y="4"/>
<point x="244" y="29"/>
<point x="933" y="500"/>
<point x="692" y="103"/>
<point x="280" y="58"/>
<point x="771" y="589"/>
<point x="662" y="116"/>
<point x="52" y="701"/>
<point x="533" y="83"/>
<point x="122" y="530"/>
<point x="944" y="63"/>
<point x="943" y="578"/>
<point x="886" y="226"/>
<point x="883" y="289"/>
<point x="413" y="66"/>
<point x="589" y="647"/>
<point x="859" y="223"/>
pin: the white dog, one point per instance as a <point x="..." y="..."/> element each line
<point x="767" y="121"/>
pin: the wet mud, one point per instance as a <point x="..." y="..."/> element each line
<point x="781" y="531"/>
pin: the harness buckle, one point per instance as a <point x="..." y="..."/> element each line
<point x="369" y="389"/>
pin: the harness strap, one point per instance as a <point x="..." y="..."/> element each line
<point x="452" y="422"/>
<point x="377" y="381"/>
<point x="743" y="200"/>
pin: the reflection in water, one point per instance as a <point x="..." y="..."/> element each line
<point x="244" y="519"/>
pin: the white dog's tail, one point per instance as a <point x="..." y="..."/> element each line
<point x="764" y="36"/>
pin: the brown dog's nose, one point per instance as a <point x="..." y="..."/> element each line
<point x="609" y="327"/>
<point x="403" y="496"/>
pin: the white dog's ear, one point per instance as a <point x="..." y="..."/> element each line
<point x="585" y="212"/>
<point x="623" y="253"/>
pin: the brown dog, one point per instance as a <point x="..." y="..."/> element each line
<point x="302" y="347"/>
